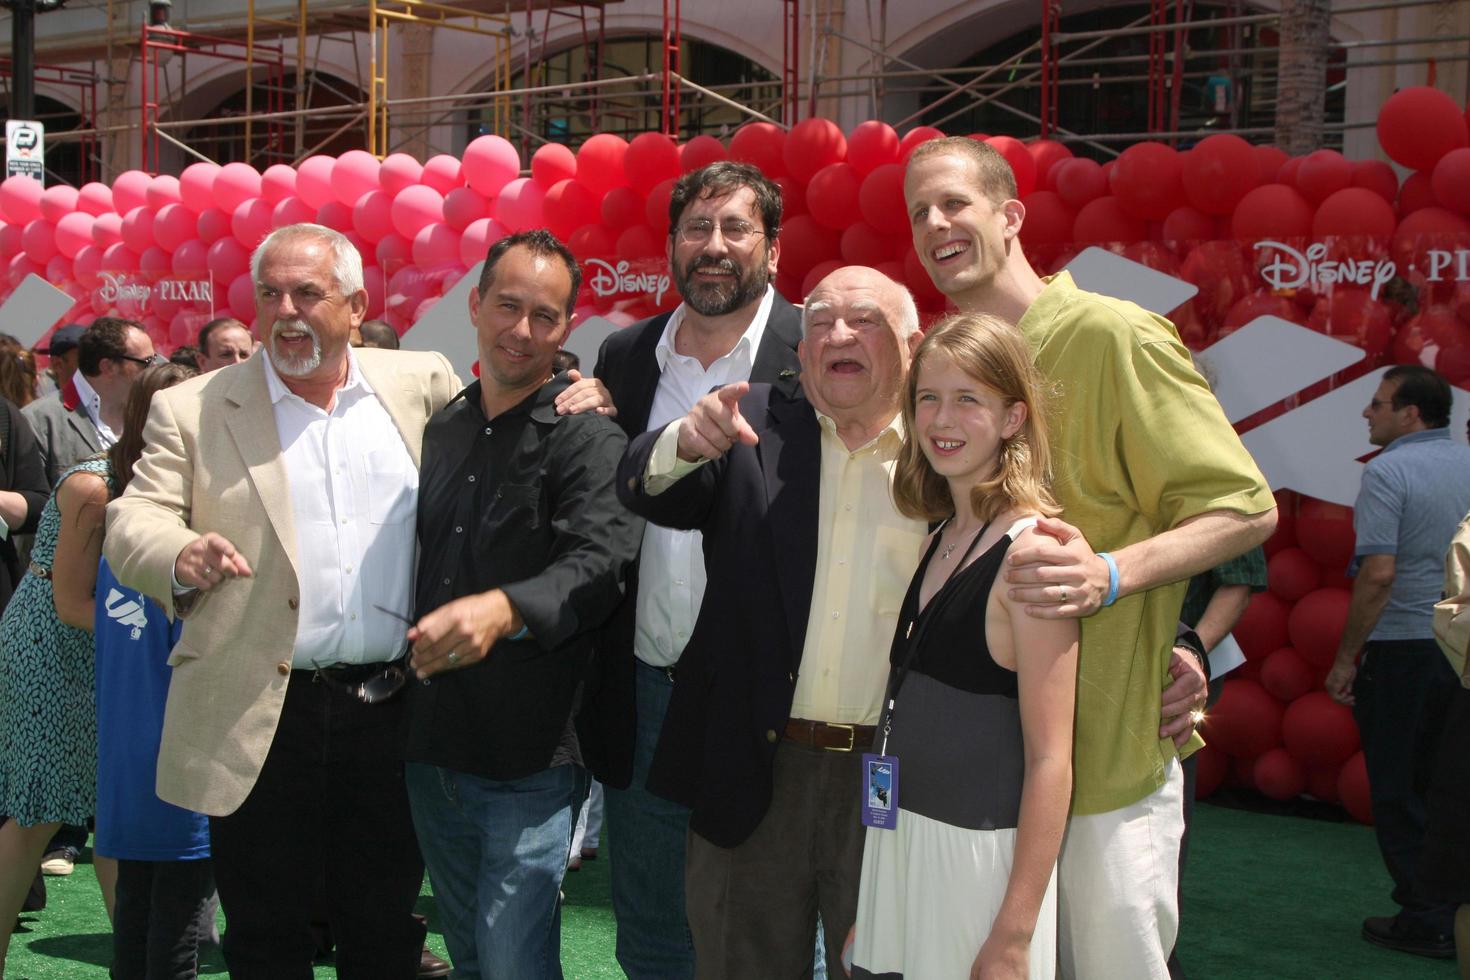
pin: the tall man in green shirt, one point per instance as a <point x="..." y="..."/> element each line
<point x="1152" y="476"/>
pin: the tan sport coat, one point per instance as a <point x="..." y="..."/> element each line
<point x="1452" y="613"/>
<point x="213" y="463"/>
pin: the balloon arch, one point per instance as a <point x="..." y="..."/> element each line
<point x="1349" y="251"/>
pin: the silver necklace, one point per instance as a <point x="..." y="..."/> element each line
<point x="949" y="549"/>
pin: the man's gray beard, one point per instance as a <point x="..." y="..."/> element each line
<point x="713" y="301"/>
<point x="295" y="367"/>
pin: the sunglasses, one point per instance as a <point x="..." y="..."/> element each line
<point x="144" y="361"/>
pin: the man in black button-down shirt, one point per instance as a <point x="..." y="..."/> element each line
<point x="523" y="549"/>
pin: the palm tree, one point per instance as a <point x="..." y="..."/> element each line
<point x="1301" y="78"/>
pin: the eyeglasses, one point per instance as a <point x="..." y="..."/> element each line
<point x="144" y="361"/>
<point x="698" y="231"/>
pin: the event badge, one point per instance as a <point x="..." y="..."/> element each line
<point x="880" y="791"/>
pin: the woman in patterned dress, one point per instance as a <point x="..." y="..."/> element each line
<point x="48" y="724"/>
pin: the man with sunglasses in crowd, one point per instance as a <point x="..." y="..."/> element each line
<point x="274" y="508"/>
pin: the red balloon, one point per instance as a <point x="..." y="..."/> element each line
<point x="1218" y="172"/>
<point x="1211" y="766"/>
<point x="1260" y="303"/>
<point x="651" y="158"/>
<point x="591" y="241"/>
<point x="1353" y="789"/>
<point x="1351" y="313"/>
<point x="1222" y="273"/>
<point x="1421" y="336"/>
<point x="1318" y="731"/>
<point x="793" y="196"/>
<point x="568" y="206"/>
<point x="1079" y="181"/>
<point x="805" y="243"/>
<point x="862" y="244"/>
<point x="600" y="163"/>
<point x="816" y="274"/>
<point x="832" y="195"/>
<point x="1269" y="161"/>
<point x="1245" y="722"/>
<point x="656" y="208"/>
<point x="762" y="144"/>
<point x="914" y="138"/>
<point x="1315" y="624"/>
<point x="1451" y="180"/>
<point x="1262" y="628"/>
<point x="1420" y="124"/>
<point x="551" y="164"/>
<point x="1325" y="531"/>
<point x="881" y="200"/>
<point x="1427" y="228"/>
<point x="1417" y="193"/>
<point x="1049" y="221"/>
<point x="639" y="242"/>
<point x="1322" y="784"/>
<point x="1287" y="676"/>
<point x="1355" y="211"/>
<point x="1274" y="212"/>
<point x="1147" y="179"/>
<point x="1047" y="154"/>
<point x="700" y="152"/>
<point x="1376" y="176"/>
<point x="1185" y="224"/>
<point x="1322" y="174"/>
<point x="1103" y="221"/>
<point x="1292" y="574"/>
<point x="871" y="144"/>
<point x="1022" y="166"/>
<point x="917" y="279"/>
<point x="1279" y="776"/>
<point x="811" y="145"/>
<point x="622" y="208"/>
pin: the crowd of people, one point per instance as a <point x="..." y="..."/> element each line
<point x="870" y="636"/>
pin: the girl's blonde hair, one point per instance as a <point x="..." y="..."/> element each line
<point x="991" y="351"/>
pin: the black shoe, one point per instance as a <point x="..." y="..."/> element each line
<point x="1390" y="932"/>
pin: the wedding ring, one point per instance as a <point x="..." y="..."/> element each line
<point x="452" y="657"/>
<point x="1064" y="593"/>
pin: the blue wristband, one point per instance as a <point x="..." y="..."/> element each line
<point x="1112" y="595"/>
<point x="525" y="630"/>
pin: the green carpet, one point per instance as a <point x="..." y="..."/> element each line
<point x="1265" y="896"/>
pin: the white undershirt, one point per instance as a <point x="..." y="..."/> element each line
<point x="671" y="575"/>
<point x="92" y="403"/>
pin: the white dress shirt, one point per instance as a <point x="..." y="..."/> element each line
<point x="671" y="565"/>
<point x="92" y="402"/>
<point x="354" y="497"/>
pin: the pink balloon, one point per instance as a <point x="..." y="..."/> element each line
<point x="107" y="230"/>
<point x="212" y="225"/>
<point x="314" y="180"/>
<point x="335" y="215"/>
<point x="74" y="233"/>
<point x="490" y="162"/>
<point x="227" y="259"/>
<point x="650" y="159"/>
<point x="477" y="239"/>
<point x="235" y="184"/>
<point x="393" y="252"/>
<point x="20" y="199"/>
<point x="130" y="190"/>
<point x="21" y="267"/>
<point x="57" y="201"/>
<point x="58" y="270"/>
<point x="463" y="205"/>
<point x="117" y="257"/>
<point x="435" y="244"/>
<point x="291" y="211"/>
<point x="86" y="264"/>
<point x="443" y="173"/>
<point x="137" y="229"/>
<point x="373" y="282"/>
<point x="173" y="225"/>
<point x="551" y="164"/>
<point x="519" y="206"/>
<point x="600" y="163"/>
<point x="241" y="297"/>
<point x="397" y="171"/>
<point x="154" y="262"/>
<point x="251" y="221"/>
<point x="353" y="175"/>
<point x="38" y="239"/>
<point x="163" y="190"/>
<point x="415" y="207"/>
<point x="10" y="239"/>
<point x="196" y="186"/>
<point x="372" y="216"/>
<point x="278" y="183"/>
<point x="95" y="198"/>
<point x="190" y="259"/>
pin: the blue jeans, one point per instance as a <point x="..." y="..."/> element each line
<point x="646" y="837"/>
<point x="496" y="852"/>
<point x="1403" y="691"/>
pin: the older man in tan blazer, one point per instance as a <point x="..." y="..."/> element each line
<point x="274" y="508"/>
